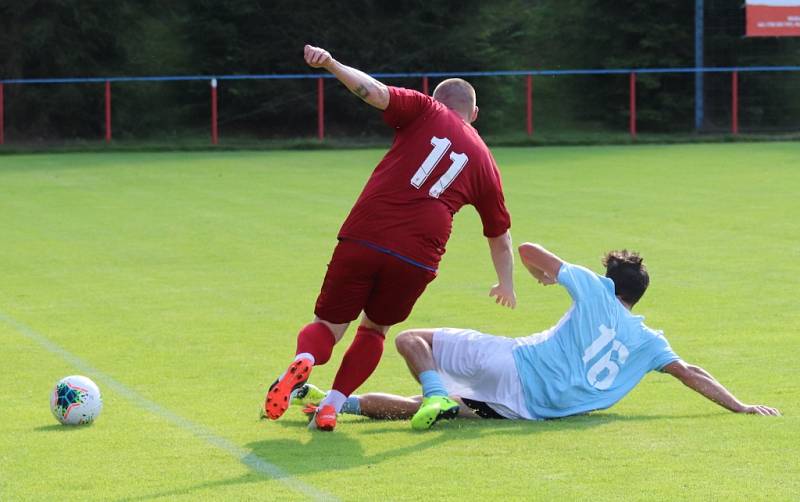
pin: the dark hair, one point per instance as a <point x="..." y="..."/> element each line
<point x="629" y="274"/>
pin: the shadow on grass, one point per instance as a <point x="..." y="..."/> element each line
<point x="251" y="477"/>
<point x="342" y="450"/>
<point x="62" y="428"/>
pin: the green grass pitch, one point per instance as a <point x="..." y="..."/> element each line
<point x="182" y="279"/>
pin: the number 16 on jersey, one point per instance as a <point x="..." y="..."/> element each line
<point x="440" y="147"/>
<point x="602" y="373"/>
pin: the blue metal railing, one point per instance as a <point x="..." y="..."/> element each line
<point x="502" y="73"/>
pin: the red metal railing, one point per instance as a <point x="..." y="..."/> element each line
<point x="632" y="81"/>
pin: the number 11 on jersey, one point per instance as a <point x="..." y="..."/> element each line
<point x="440" y="146"/>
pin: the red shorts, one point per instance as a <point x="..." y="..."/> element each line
<point x="360" y="278"/>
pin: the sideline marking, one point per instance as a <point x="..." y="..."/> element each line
<point x="248" y="458"/>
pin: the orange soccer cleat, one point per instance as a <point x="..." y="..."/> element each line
<point x="280" y="391"/>
<point x="323" y="418"/>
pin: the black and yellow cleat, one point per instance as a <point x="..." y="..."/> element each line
<point x="433" y="409"/>
<point x="307" y="394"/>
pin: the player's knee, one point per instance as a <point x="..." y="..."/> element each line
<point x="405" y="341"/>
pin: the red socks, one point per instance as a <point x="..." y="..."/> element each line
<point x="360" y="360"/>
<point x="318" y="340"/>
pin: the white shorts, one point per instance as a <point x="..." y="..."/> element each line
<point x="480" y="367"/>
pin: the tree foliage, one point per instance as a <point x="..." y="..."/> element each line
<point x="59" y="38"/>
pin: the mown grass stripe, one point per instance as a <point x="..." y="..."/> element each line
<point x="248" y="458"/>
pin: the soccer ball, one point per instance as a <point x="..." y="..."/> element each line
<point x="75" y="400"/>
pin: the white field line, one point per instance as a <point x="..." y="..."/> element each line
<point x="248" y="458"/>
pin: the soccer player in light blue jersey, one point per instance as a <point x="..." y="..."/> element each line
<point x="589" y="360"/>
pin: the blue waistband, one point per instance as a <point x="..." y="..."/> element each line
<point x="381" y="249"/>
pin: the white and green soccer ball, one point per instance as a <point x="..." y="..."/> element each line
<point x="75" y="400"/>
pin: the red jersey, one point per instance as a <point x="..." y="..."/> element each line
<point x="437" y="163"/>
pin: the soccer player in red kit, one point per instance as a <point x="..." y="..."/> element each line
<point x="391" y="242"/>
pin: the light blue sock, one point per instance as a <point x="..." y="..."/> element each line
<point x="352" y="406"/>
<point x="432" y="384"/>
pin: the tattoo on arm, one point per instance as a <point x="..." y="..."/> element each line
<point x="362" y="92"/>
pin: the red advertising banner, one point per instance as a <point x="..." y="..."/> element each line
<point x="773" y="18"/>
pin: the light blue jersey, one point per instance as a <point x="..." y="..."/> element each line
<point x="593" y="357"/>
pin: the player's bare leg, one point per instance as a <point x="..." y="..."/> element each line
<point x="416" y="347"/>
<point x="338" y="330"/>
<point x="382" y="406"/>
<point x="314" y="346"/>
<point x="358" y="363"/>
<point x="388" y="406"/>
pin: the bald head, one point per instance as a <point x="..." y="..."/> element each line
<point x="458" y="95"/>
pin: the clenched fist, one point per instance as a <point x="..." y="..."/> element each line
<point x="317" y="57"/>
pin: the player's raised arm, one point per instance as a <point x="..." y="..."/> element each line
<point x="503" y="260"/>
<point x="699" y="380"/>
<point x="541" y="263"/>
<point x="362" y="85"/>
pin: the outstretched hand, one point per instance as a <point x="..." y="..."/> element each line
<point x="760" y="409"/>
<point x="317" y="57"/>
<point x="504" y="296"/>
